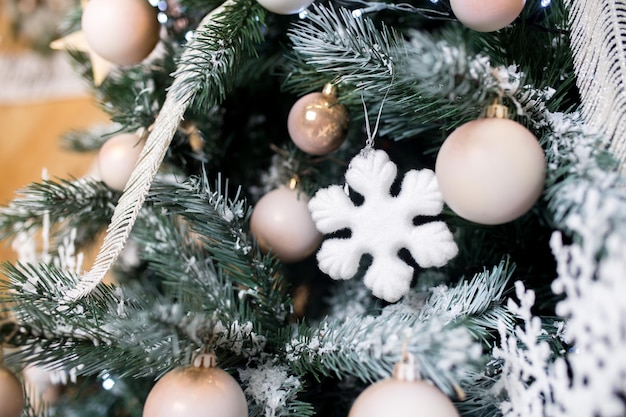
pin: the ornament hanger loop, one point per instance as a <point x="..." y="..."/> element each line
<point x="405" y="369"/>
<point x="204" y="359"/>
<point x="369" y="142"/>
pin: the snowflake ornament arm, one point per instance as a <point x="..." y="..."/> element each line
<point x="382" y="225"/>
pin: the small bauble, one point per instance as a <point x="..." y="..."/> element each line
<point x="399" y="398"/>
<point x="11" y="394"/>
<point x="117" y="159"/>
<point x="317" y="123"/>
<point x="491" y="170"/>
<point x="123" y="32"/>
<point x="285" y="6"/>
<point x="487" y="15"/>
<point x="196" y="392"/>
<point x="282" y="224"/>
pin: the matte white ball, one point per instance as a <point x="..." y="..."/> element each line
<point x="285" y="6"/>
<point x="117" y="159"/>
<point x="282" y="224"/>
<point x="491" y="170"/>
<point x="398" y="398"/>
<point x="123" y="32"/>
<point x="487" y="15"/>
<point x="196" y="392"/>
<point x="11" y="394"/>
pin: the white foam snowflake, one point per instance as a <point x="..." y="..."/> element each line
<point x="382" y="225"/>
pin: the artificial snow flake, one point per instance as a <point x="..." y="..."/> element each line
<point x="382" y="225"/>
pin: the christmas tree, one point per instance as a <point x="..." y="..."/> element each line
<point x="332" y="208"/>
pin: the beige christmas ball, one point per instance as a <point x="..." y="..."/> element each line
<point x="285" y="6"/>
<point x="317" y="123"/>
<point x="282" y="224"/>
<point x="117" y="159"/>
<point x="123" y="32"/>
<point x="11" y="394"/>
<point x="399" y="398"/>
<point x="491" y="170"/>
<point x="196" y="392"/>
<point x="487" y="15"/>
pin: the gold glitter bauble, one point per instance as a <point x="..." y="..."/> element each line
<point x="317" y="123"/>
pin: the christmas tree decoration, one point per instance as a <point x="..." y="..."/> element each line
<point x="491" y="170"/>
<point x="597" y="53"/>
<point x="318" y="123"/>
<point x="299" y="343"/>
<point x="117" y="159"/>
<point x="76" y="41"/>
<point x="199" y="390"/>
<point x="487" y="15"/>
<point x="282" y="224"/>
<point x="11" y="394"/>
<point x="382" y="225"/>
<point x="285" y="6"/>
<point x="403" y="395"/>
<point x="123" y="32"/>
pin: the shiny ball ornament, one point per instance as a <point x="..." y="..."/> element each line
<point x="285" y="6"/>
<point x="491" y="170"/>
<point x="123" y="32"/>
<point x="117" y="159"/>
<point x="282" y="224"/>
<point x="487" y="15"/>
<point x="11" y="394"/>
<point x="400" y="398"/>
<point x="317" y="123"/>
<point x="196" y="392"/>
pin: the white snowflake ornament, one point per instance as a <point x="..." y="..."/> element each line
<point x="382" y="225"/>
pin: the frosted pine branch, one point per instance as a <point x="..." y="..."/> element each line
<point x="430" y="79"/>
<point x="220" y="223"/>
<point x="204" y="74"/>
<point x="76" y="199"/>
<point x="274" y="391"/>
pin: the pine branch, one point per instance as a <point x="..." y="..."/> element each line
<point x="82" y="201"/>
<point x="203" y="75"/>
<point x="440" y="334"/>
<point x="430" y="80"/>
<point x="221" y="224"/>
<point x="125" y="331"/>
<point x="476" y="304"/>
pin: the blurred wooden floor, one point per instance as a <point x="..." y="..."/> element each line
<point x="29" y="142"/>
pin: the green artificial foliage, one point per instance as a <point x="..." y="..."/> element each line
<point x="192" y="276"/>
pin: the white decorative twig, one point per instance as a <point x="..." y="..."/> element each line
<point x="598" y="37"/>
<point x="171" y="114"/>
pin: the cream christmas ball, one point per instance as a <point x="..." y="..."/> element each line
<point x="196" y="392"/>
<point x="117" y="159"/>
<point x="282" y="224"/>
<point x="491" y="170"/>
<point x="399" y="398"/>
<point x="487" y="15"/>
<point x="285" y="6"/>
<point x="11" y="394"/>
<point x="123" y="32"/>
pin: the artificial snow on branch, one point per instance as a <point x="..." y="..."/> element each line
<point x="205" y="65"/>
<point x="437" y="331"/>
